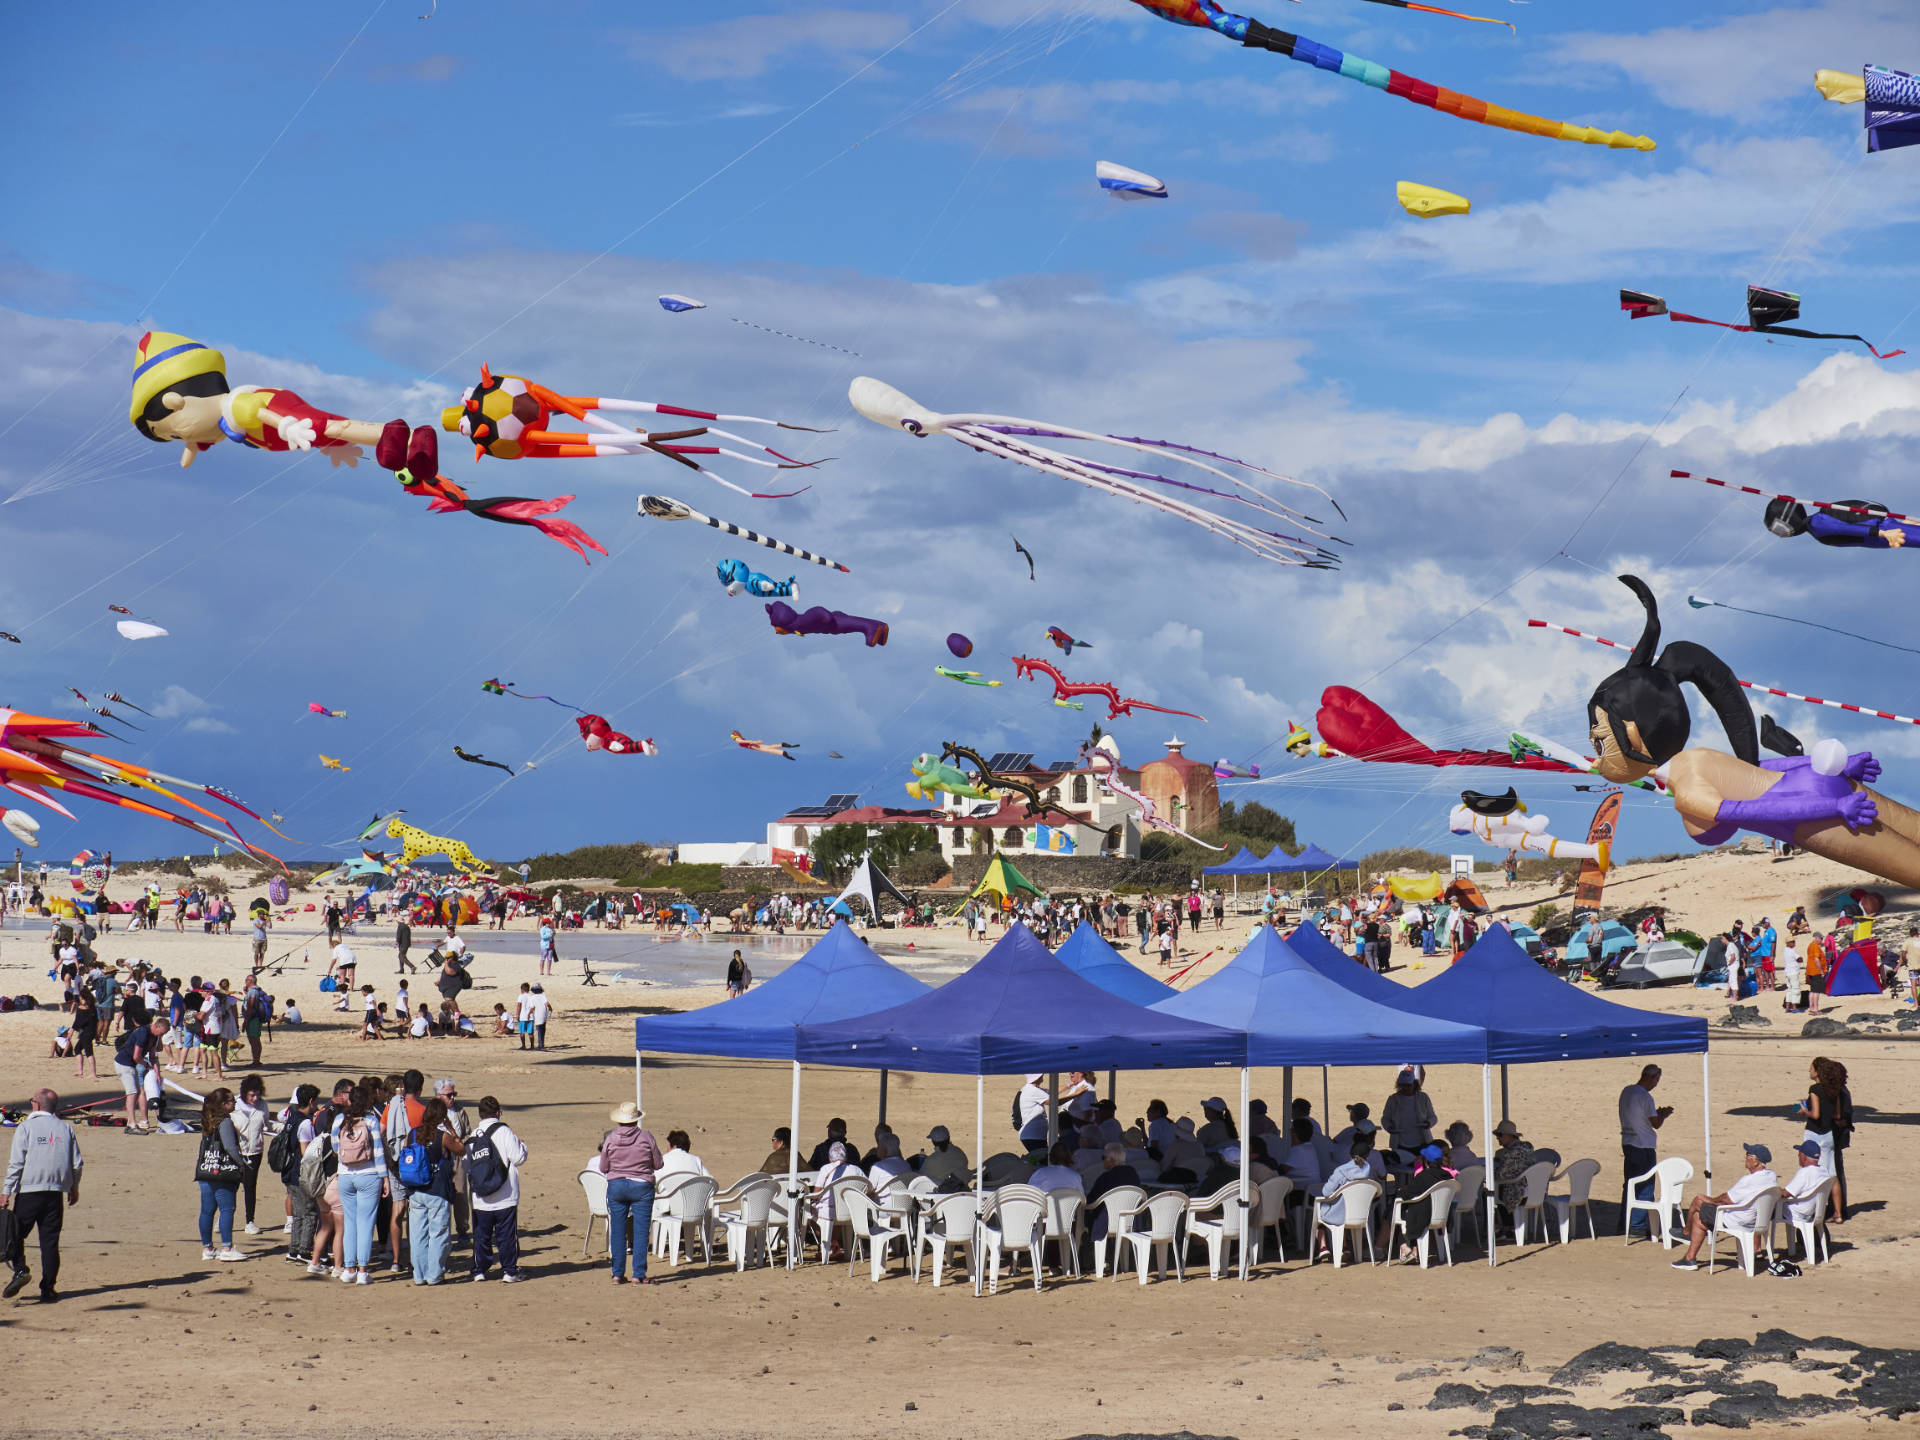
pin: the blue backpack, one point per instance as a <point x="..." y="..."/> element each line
<point x="416" y="1163"/>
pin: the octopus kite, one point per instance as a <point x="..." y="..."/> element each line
<point x="1007" y="437"/>
<point x="818" y="620"/>
<point x="1065" y="689"/>
<point x="742" y="579"/>
<point x="599" y="735"/>
<point x="1207" y="15"/>
<point x="1504" y="822"/>
<point x="1103" y="758"/>
<point x="766" y="747"/>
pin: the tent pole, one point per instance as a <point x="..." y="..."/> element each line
<point x="1505" y="1113"/>
<point x="979" y="1172"/>
<point x="639" y="1098"/>
<point x="1326" y="1101"/>
<point x="883" y="1095"/>
<point x="1706" y="1116"/>
<point x="1286" y="1101"/>
<point x="795" y="1228"/>
<point x="1053" y="1110"/>
<point x="1486" y="1110"/>
<point x="1246" y="1165"/>
<point x="1112" y="1080"/>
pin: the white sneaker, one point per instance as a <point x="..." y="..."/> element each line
<point x="346" y="1274"/>
<point x="513" y="1279"/>
<point x="317" y="1267"/>
<point x="397" y="1270"/>
<point x="207" y="1252"/>
<point x="287" y="1228"/>
<point x="362" y="1279"/>
<point x="231" y="1254"/>
<point x="252" y="1229"/>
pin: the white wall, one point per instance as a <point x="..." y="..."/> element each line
<point x="725" y="852"/>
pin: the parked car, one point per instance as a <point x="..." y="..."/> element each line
<point x="1665" y="962"/>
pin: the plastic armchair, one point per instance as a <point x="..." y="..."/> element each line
<point x="750" y="1223"/>
<point x="1812" y="1230"/>
<point x="663" y="1191"/>
<point x="1357" y="1198"/>
<point x="1006" y="1168"/>
<point x="1435" y="1235"/>
<point x="949" y="1225"/>
<point x="1579" y="1177"/>
<point x="735" y="1190"/>
<point x="872" y="1225"/>
<point x="1533" y="1206"/>
<point x="1018" y="1222"/>
<point x="1666" y="1178"/>
<point x="1164" y="1213"/>
<point x="1273" y="1216"/>
<point x="595" y="1184"/>
<point x="1120" y="1204"/>
<point x="1065" y="1208"/>
<point x="1764" y="1205"/>
<point x="688" y="1204"/>
<point x="829" y="1211"/>
<point x="1232" y="1225"/>
<point x="1470" y="1203"/>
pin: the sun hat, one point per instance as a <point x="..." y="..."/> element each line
<point x="627" y="1113"/>
<point x="1507" y="1127"/>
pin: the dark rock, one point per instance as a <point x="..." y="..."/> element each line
<point x="1423" y="1372"/>
<point x="1722" y="1349"/>
<point x="1609" y="1357"/>
<point x="1457" y="1397"/>
<point x="1777" y="1344"/>
<point x="1815" y="1365"/>
<point x="1560" y="1422"/>
<point x="1892" y="1388"/>
<point x="1820" y="1027"/>
<point x="912" y="1406"/>
<point x="1907" y="1022"/>
<point x="1738" y="1015"/>
<point x="1740" y="1412"/>
<point x="1472" y="1397"/>
<point x="1395" y="1405"/>
<point x="1862" y="1017"/>
<point x="1848" y="1372"/>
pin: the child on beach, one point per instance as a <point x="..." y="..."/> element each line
<point x="503" y="1024"/>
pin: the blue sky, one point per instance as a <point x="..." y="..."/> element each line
<point x="366" y="217"/>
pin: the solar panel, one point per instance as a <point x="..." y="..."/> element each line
<point x="843" y="802"/>
<point x="814" y="812"/>
<point x="1061" y="766"/>
<point x="1008" y="762"/>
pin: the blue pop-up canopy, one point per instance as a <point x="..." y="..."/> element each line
<point x="1089" y="956"/>
<point x="1310" y="861"/>
<point x="1294" y="1015"/>
<point x="838" y="977"/>
<point x="1348" y="973"/>
<point x="1019" y="1010"/>
<point x="1529" y="1015"/>
<point x="1245" y="863"/>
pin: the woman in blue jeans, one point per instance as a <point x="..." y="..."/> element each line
<point x="362" y="1179"/>
<point x="217" y="1196"/>
<point x="628" y="1158"/>
<point x="430" y="1206"/>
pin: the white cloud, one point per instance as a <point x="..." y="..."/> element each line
<point x="745" y="47"/>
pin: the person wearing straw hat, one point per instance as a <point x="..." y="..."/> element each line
<point x="629" y="1158"/>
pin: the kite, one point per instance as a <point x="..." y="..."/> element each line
<point x="314" y="707"/>
<point x="1022" y="550"/>
<point x="766" y="747"/>
<point x="1700" y="602"/>
<point x="1038" y="806"/>
<point x="1500" y="824"/>
<point x="665" y="507"/>
<point x="508" y="417"/>
<point x="1355" y="726"/>
<point x="965" y="677"/>
<point x="835" y="755"/>
<point x="818" y="620"/>
<point x="78" y="695"/>
<point x="679" y="304"/>
<point x="932" y="776"/>
<point x="1779" y="739"/>
<point x="1519" y="745"/>
<point x="1225" y="770"/>
<point x="1892" y="98"/>
<point x="1064" y="688"/>
<point x="1300" y="743"/>
<point x="1065" y="643"/>
<point x="738" y="577"/>
<point x="1103" y="758"/>
<point x="1846" y="524"/>
<point x="1207" y="14"/>
<point x="599" y="735"/>
<point x="114" y="697"/>
<point x="8" y="635"/>
<point x="1428" y="202"/>
<point x="119" y="609"/>
<point x="333" y="764"/>
<point x="1008" y="437"/>
<point x="959" y="646"/>
<point x="102" y="710"/>
<point x="415" y="842"/>
<point x="473" y="759"/>
<point x="1819" y="802"/>
<point x="23" y="827"/>
<point x="138" y="630"/>
<point x="1767" y="314"/>
<point x="1124" y="184"/>
<point x="444" y="497"/>
<point x="36" y="754"/>
<point x="1066" y="704"/>
<point x="498" y="687"/>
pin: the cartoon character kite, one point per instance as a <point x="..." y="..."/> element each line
<point x="818" y="620"/>
<point x="1064" y="688"/>
<point x="932" y="776"/>
<point x="1504" y="822"/>
<point x="472" y="759"/>
<point x="742" y="579"/>
<point x="766" y="747"/>
<point x="1768" y="312"/>
<point x="599" y="735"/>
<point x="1300" y="744"/>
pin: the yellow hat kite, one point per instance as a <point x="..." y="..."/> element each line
<point x="162" y="361"/>
<point x="1429" y="202"/>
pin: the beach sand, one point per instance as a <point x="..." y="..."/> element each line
<point x="150" y="1338"/>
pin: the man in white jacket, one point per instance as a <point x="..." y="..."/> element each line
<point x="43" y="1178"/>
<point x="496" y="1210"/>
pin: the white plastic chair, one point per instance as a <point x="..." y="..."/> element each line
<point x="1017" y="1222"/>
<point x="738" y="1187"/>
<point x="875" y="1227"/>
<point x="1441" y="1199"/>
<point x="1579" y="1177"/>
<point x="1358" y="1198"/>
<point x="1064" y="1209"/>
<point x="1667" y="1178"/>
<point x="1533" y="1205"/>
<point x="1232" y="1224"/>
<point x="828" y="1226"/>
<point x="1006" y="1168"/>
<point x="1273" y="1216"/>
<point x="1811" y="1230"/>
<point x="679" y="1205"/>
<point x="595" y="1184"/>
<point x="750" y="1224"/>
<point x="1470" y="1203"/>
<point x="1121" y="1204"/>
<point x="948" y="1225"/>
<point x="1164" y="1213"/>
<point x="1748" y="1240"/>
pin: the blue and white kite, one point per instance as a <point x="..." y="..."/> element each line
<point x="1124" y="184"/>
<point x="678" y="303"/>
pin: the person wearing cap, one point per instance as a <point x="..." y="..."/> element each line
<point x="1106" y="1120"/>
<point x="836" y="1134"/>
<point x="948" y="1162"/>
<point x="1218" y="1131"/>
<point x="1640" y="1121"/>
<point x="1416" y="1210"/>
<point x="629" y="1158"/>
<point x="1808" y="1176"/>
<point x="1734" y="1209"/>
<point x="1764" y="940"/>
<point x="1408" y="1116"/>
<point x="1510" y="1162"/>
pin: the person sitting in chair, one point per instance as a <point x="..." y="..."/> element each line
<point x="1734" y="1210"/>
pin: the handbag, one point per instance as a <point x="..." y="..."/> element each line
<point x="215" y="1165"/>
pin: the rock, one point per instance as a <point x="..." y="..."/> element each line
<point x="1739" y="1412"/>
<point x="1395" y="1405"/>
<point x="1820" y="1027"/>
<point x="912" y="1406"/>
<point x="1424" y="1372"/>
<point x="1497" y="1357"/>
<point x="1472" y="1397"/>
<point x="1608" y="1357"/>
<point x="1456" y="1397"/>
<point x="1907" y="1022"/>
<point x="1777" y="1344"/>
<point x="1553" y="1422"/>
<point x="1861" y="1017"/>
<point x="1893" y="1386"/>
<point x="1738" y="1015"/>
<point x="1721" y="1349"/>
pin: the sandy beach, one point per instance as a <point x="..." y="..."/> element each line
<point x="1299" y="1350"/>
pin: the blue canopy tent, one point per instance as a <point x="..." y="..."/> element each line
<point x="1244" y="863"/>
<point x="1312" y="861"/>
<point x="1292" y="1014"/>
<point x="1092" y="958"/>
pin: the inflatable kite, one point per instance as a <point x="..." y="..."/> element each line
<point x="739" y="578"/>
<point x="1355" y="726"/>
<point x="766" y="747"/>
<point x="9" y="636"/>
<point x="314" y="707"/>
<point x="1065" y="643"/>
<point x="818" y="620"/>
<point x="415" y="842"/>
<point x="1507" y="825"/>
<point x="679" y="304"/>
<point x="965" y="677"/>
<point x="599" y="735"/>
<point x="1007" y="437"/>
<point x="1125" y="184"/>
<point x="665" y="507"/>
<point x="931" y="776"/>
<point x="138" y="630"/>
<point x="1300" y="743"/>
<point x="1767" y="314"/>
<point x="1819" y="802"/>
<point x="1038" y="806"/>
<point x="1845" y="524"/>
<point x="1065" y="704"/>
<point x="1225" y="770"/>
<point x="1892" y="98"/>
<point x="23" y="827"/>
<point x="444" y="497"/>
<point x="1207" y="14"/>
<point x="333" y="764"/>
<point x="114" y="697"/>
<point x="1429" y="202"/>
<point x="108" y="714"/>
<point x="472" y="759"/>
<point x="37" y="755"/>
<point x="1103" y="758"/>
<point x="959" y="646"/>
<point x="509" y="417"/>
<point x="1065" y="689"/>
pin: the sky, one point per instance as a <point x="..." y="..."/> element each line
<point x="364" y="205"/>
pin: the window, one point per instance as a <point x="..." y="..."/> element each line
<point x="1079" y="789"/>
<point x="1053" y="794"/>
<point x="957" y="838"/>
<point x="1012" y="838"/>
<point x="800" y="837"/>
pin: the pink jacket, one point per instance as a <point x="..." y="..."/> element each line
<point x="629" y="1153"/>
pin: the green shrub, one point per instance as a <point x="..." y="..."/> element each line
<point x="1543" y="916"/>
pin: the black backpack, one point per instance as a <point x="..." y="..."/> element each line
<point x="486" y="1171"/>
<point x="283" y="1153"/>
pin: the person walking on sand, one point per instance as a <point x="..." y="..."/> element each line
<point x="218" y="1170"/>
<point x="43" y="1179"/>
<point x="629" y="1158"/>
<point x="86" y="1030"/>
<point x="539" y="1007"/>
<point x="494" y="1157"/>
<point x="734" y="968"/>
<point x="250" y="1121"/>
<point x="402" y="942"/>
